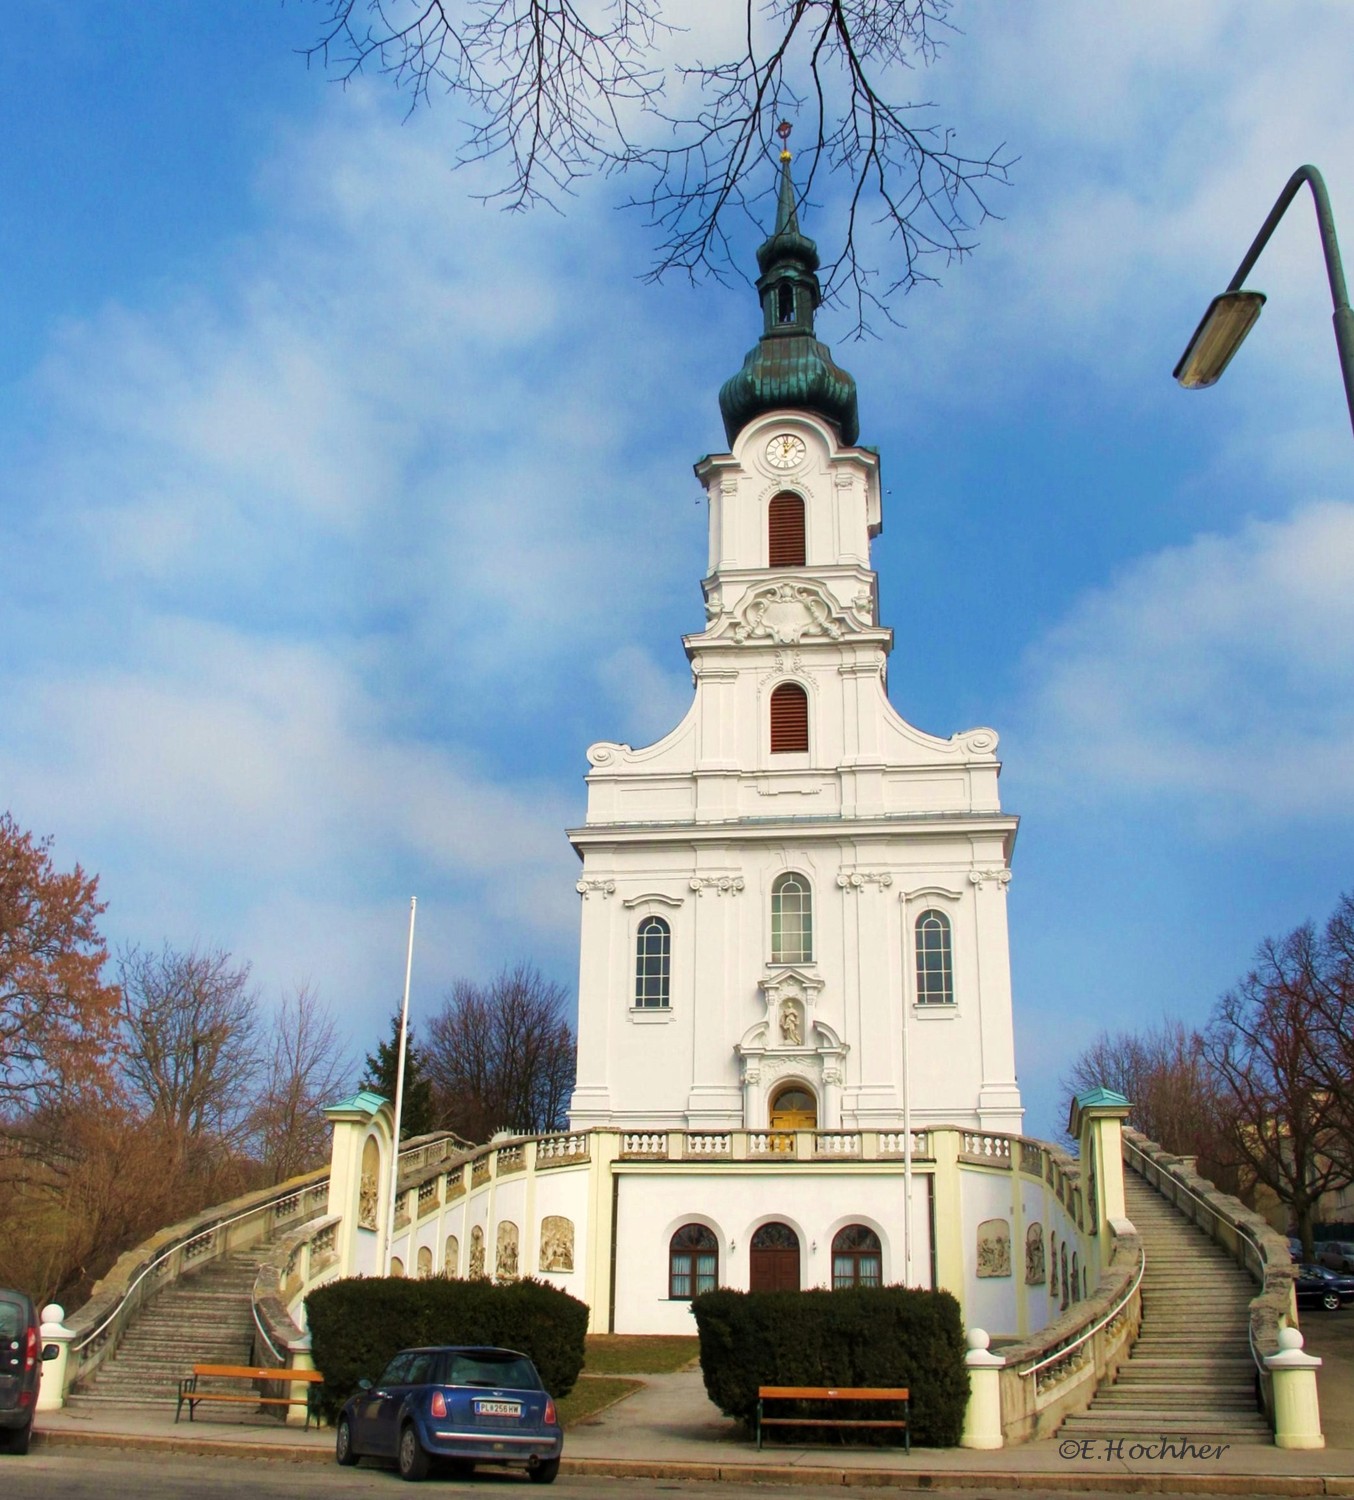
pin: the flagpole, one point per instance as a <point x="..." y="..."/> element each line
<point x="399" y="1094"/>
<point x="907" y="1154"/>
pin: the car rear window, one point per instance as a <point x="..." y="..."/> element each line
<point x="493" y="1370"/>
<point x="12" y="1319"/>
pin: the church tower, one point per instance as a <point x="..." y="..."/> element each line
<point x="794" y="904"/>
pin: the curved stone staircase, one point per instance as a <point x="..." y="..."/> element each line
<point x="205" y="1317"/>
<point x="1190" y="1374"/>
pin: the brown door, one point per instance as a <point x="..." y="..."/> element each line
<point x="794" y="1109"/>
<point x="773" y="1261"/>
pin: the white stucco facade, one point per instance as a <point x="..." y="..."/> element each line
<point x="881" y="821"/>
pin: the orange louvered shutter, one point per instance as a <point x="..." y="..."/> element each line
<point x="789" y="718"/>
<point x="785" y="529"/>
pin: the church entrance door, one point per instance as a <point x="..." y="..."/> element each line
<point x="773" y="1263"/>
<point x="794" y="1108"/>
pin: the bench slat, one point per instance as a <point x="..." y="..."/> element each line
<point x="832" y="1393"/>
<point x="257" y="1372"/>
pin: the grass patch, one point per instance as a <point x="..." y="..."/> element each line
<point x="638" y="1354"/>
<point x="593" y="1394"/>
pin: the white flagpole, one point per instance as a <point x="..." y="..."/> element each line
<point x="907" y="1154"/>
<point x="399" y="1093"/>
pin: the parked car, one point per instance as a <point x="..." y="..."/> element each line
<point x="21" y="1357"/>
<point x="1319" y="1286"/>
<point x="1338" y="1255"/>
<point x="461" y="1405"/>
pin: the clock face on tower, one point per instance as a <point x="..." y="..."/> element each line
<point x="785" y="450"/>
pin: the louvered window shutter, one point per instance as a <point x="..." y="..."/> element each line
<point x="789" y="718"/>
<point x="785" y="526"/>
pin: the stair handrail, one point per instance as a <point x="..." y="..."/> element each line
<point x="278" y="1361"/>
<point x="1063" y="1350"/>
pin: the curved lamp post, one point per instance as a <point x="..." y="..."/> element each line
<point x="1230" y="316"/>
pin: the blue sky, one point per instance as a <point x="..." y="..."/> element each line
<point x="340" y="513"/>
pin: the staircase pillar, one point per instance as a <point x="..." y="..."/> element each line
<point x="52" y="1391"/>
<point x="1297" y="1415"/>
<point x="982" y="1415"/>
<point x="1097" y="1120"/>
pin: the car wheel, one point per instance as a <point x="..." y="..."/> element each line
<point x="1330" y="1301"/>
<point x="344" y="1451"/>
<point x="545" y="1473"/>
<point x="19" y="1439"/>
<point x="413" y="1461"/>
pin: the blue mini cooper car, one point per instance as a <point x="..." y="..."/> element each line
<point x="461" y="1405"/>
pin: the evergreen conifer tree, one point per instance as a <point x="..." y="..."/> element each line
<point x="416" y="1116"/>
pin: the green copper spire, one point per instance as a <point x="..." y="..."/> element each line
<point x="789" y="367"/>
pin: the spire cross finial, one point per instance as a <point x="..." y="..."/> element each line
<point x="783" y="131"/>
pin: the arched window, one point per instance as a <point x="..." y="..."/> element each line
<point x="857" y="1259"/>
<point x="791" y="920"/>
<point x="653" y="955"/>
<point x="789" y="718"/>
<point x="693" y="1262"/>
<point x="935" y="969"/>
<point x="785" y="532"/>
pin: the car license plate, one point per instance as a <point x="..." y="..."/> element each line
<point x="498" y="1408"/>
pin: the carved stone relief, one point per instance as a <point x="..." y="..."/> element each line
<point x="369" y="1189"/>
<point x="505" y="1262"/>
<point x="721" y="885"/>
<point x="791" y="1024"/>
<point x="854" y="881"/>
<point x="425" y="1262"/>
<point x="786" y="613"/>
<point x="477" y="1254"/>
<point x="451" y="1266"/>
<point x="557" y="1243"/>
<point x="1052" y="1264"/>
<point x="586" y="888"/>
<point x="1034" y="1255"/>
<point x="994" y="1248"/>
<point x="980" y="877"/>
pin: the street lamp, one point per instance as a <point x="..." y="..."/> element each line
<point x="1230" y="316"/>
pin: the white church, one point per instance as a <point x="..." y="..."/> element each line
<point x="795" y="1054"/>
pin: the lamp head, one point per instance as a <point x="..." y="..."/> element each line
<point x="1218" y="337"/>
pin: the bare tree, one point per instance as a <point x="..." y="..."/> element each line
<point x="191" y="1060"/>
<point x="305" y="1069"/>
<point x="558" y="90"/>
<point x="502" y="1055"/>
<point x="1287" y="1125"/>
<point x="1169" y="1084"/>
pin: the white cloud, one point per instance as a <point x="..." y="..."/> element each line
<point x="1220" y="672"/>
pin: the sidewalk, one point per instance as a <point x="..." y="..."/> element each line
<point x="669" y="1429"/>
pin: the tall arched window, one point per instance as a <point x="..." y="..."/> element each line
<point x="935" y="968"/>
<point x="785" y="532"/>
<point x="653" y="955"/>
<point x="857" y="1259"/>
<point x="693" y="1262"/>
<point x="789" y="718"/>
<point x="791" y="920"/>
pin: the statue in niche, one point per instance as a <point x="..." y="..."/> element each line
<point x="1034" y="1255"/>
<point x="477" y="1254"/>
<point x="452" y="1265"/>
<point x="1052" y="1264"/>
<point x="369" y="1185"/>
<point x="791" y="1032"/>
<point x="505" y="1261"/>
<point x="994" y="1248"/>
<point x="1067" y="1294"/>
<point x="425" y="1262"/>
<point x="557" y="1243"/>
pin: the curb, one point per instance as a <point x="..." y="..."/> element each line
<point x="1068" y="1482"/>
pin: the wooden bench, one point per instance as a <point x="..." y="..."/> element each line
<point x="192" y="1397"/>
<point x="828" y="1393"/>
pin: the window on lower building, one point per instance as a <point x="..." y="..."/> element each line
<point x="693" y="1262"/>
<point x="653" y="958"/>
<point x="857" y="1258"/>
<point x="791" y="920"/>
<point x="935" y="968"/>
<point x="789" y="719"/>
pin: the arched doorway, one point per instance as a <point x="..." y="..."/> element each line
<point x="773" y="1261"/>
<point x="794" y="1108"/>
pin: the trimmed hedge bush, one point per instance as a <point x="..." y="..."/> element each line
<point x="359" y="1324"/>
<point x="867" y="1336"/>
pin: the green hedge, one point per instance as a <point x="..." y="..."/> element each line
<point x="868" y="1336"/>
<point x="359" y="1324"/>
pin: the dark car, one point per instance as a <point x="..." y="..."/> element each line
<point x="1337" y="1255"/>
<point x="1318" y="1286"/>
<point x="21" y="1357"/>
<point x="462" y="1405"/>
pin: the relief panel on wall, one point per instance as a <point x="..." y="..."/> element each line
<point x="994" y="1248"/>
<point x="505" y="1262"/>
<point x="369" y="1189"/>
<point x="1034" y="1255"/>
<point x="557" y="1243"/>
<point x="451" y="1266"/>
<point x="477" y="1253"/>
